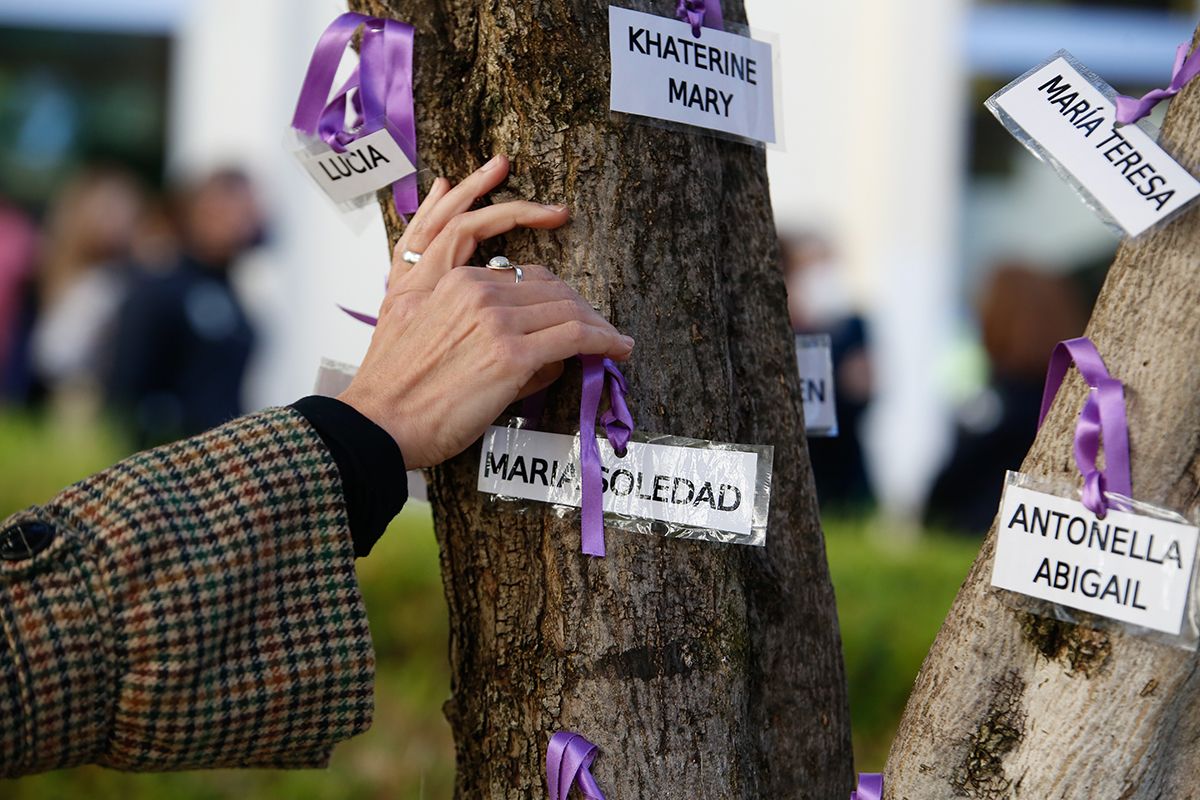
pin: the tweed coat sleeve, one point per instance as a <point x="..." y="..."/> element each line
<point x="193" y="606"/>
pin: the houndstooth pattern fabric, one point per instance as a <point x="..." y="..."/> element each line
<point x="198" y="607"/>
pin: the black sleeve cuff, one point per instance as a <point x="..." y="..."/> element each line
<point x="370" y="464"/>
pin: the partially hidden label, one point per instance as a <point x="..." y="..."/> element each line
<point x="1127" y="566"/>
<point x="369" y="164"/>
<point x="719" y="81"/>
<point x="1071" y="119"/>
<point x="815" y="359"/>
<point x="700" y="487"/>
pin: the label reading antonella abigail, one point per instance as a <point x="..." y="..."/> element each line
<point x="369" y="164"/>
<point x="719" y="81"/>
<point x="1057" y="111"/>
<point x="1127" y="566"/>
<point x="815" y="359"/>
<point x="690" y="485"/>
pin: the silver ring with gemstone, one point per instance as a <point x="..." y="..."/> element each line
<point x="410" y="257"/>
<point x="502" y="263"/>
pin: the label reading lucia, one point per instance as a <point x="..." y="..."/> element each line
<point x="369" y="164"/>
<point x="1072" y="120"/>
<point x="719" y="81"/>
<point x="696" y="487"/>
<point x="1128" y="567"/>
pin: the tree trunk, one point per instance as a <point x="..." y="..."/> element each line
<point x="1012" y="705"/>
<point x="700" y="670"/>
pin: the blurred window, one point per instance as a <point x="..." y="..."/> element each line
<point x="71" y="97"/>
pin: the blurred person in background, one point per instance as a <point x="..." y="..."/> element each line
<point x="82" y="282"/>
<point x="18" y="251"/>
<point x="184" y="338"/>
<point x="820" y="302"/>
<point x="1023" y="313"/>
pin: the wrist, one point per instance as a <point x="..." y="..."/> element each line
<point x="373" y="408"/>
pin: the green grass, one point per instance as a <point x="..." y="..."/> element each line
<point x="37" y="459"/>
<point x="892" y="595"/>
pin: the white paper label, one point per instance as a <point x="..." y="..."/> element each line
<point x="814" y="357"/>
<point x="689" y="486"/>
<point x="1135" y="181"/>
<point x="720" y="81"/>
<point x="369" y="164"/>
<point x="1129" y="567"/>
<point x="333" y="377"/>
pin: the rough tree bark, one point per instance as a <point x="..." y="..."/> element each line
<point x="700" y="670"/>
<point x="1011" y="705"/>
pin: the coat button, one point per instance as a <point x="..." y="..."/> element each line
<point x="25" y="540"/>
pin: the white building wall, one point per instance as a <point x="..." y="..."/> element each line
<point x="873" y="96"/>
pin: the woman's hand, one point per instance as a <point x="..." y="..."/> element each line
<point x="455" y="345"/>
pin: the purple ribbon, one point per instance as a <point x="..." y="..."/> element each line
<point x="379" y="92"/>
<point x="1102" y="417"/>
<point x="700" y="13"/>
<point x="1131" y="109"/>
<point x="360" y="316"/>
<point x="568" y="763"/>
<point x="618" y="423"/>
<point x="870" y="786"/>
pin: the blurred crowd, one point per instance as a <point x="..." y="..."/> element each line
<point x="119" y="301"/>
<point x="1022" y="310"/>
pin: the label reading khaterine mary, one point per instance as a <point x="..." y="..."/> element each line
<point x="1128" y="567"/>
<point x="369" y="164"/>
<point x="695" y="487"/>
<point x="1071" y="119"/>
<point x="719" y="81"/>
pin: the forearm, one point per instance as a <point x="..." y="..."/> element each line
<point x="193" y="606"/>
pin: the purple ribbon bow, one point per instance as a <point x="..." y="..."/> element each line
<point x="618" y="423"/>
<point x="379" y="92"/>
<point x="870" y="787"/>
<point x="700" y="13"/>
<point x="1102" y="417"/>
<point x="1131" y="109"/>
<point x="568" y="762"/>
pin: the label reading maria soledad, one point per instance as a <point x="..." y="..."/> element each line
<point x="696" y="487"/>
<point x="1127" y="566"/>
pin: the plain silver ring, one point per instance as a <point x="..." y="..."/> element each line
<point x="519" y="273"/>
<point x="410" y="257"/>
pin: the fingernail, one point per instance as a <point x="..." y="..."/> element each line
<point x="557" y="208"/>
<point x="627" y="341"/>
<point x="495" y="162"/>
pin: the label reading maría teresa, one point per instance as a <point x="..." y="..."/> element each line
<point x="719" y="81"/>
<point x="693" y="487"/>
<point x="369" y="164"/>
<point x="1071" y="120"/>
<point x="1128" y="567"/>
